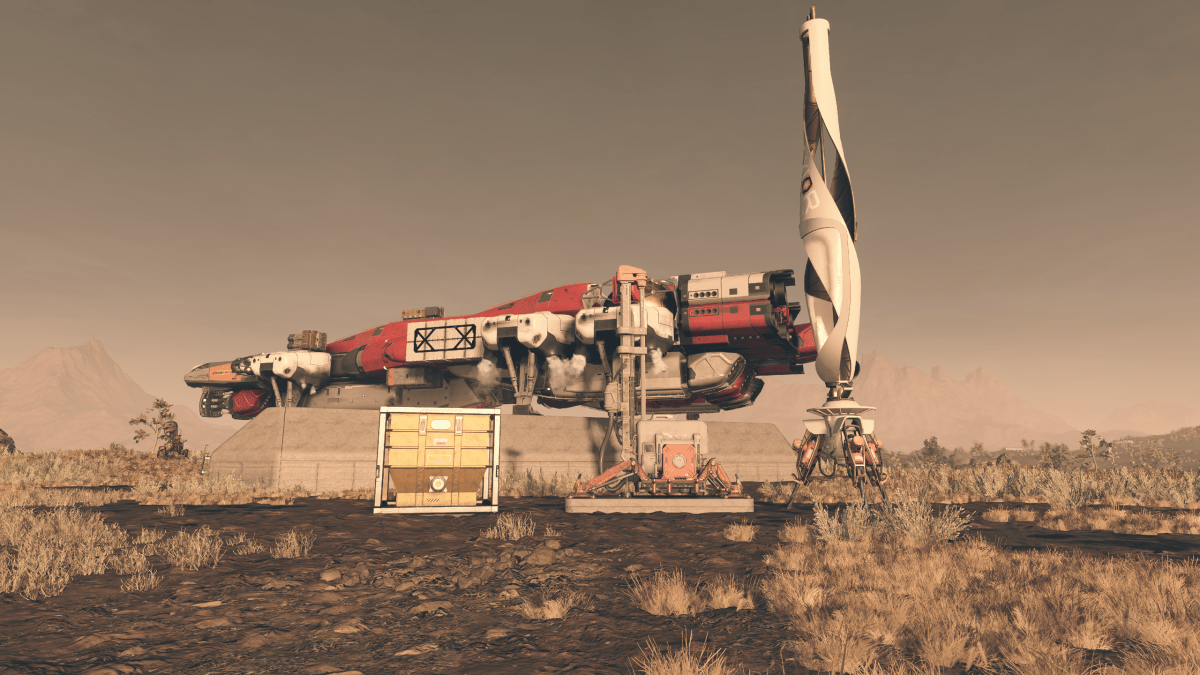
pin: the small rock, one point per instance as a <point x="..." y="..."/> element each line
<point x="373" y="541"/>
<point x="89" y="641"/>
<point x="274" y="584"/>
<point x="495" y="634"/>
<point x="510" y="593"/>
<point x="254" y="641"/>
<point x="340" y="609"/>
<point x="318" y="586"/>
<point x="362" y="571"/>
<point x="521" y="553"/>
<point x="552" y="544"/>
<point x="131" y="653"/>
<point x="405" y="586"/>
<point x="214" y="603"/>
<point x="540" y="556"/>
<point x="634" y="568"/>
<point x="111" y="669"/>
<point x="417" y="562"/>
<point x="466" y="582"/>
<point x="321" y="669"/>
<point x="350" y="626"/>
<point x="331" y="576"/>
<point x="214" y="623"/>
<point x="349" y="580"/>
<point x="431" y="606"/>
<point x="329" y="598"/>
<point x="419" y="649"/>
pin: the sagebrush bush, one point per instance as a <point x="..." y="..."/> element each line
<point x="41" y="551"/>
<point x="192" y="550"/>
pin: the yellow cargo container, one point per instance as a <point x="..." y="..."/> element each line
<point x="437" y="460"/>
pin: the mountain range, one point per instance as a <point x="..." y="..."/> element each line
<point x="912" y="406"/>
<point x="79" y="398"/>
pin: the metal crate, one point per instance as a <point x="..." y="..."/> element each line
<point x="436" y="460"/>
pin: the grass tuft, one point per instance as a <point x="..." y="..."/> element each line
<point x="510" y="527"/>
<point x="293" y="544"/>
<point x="740" y="531"/>
<point x="687" y="660"/>
<point x="666" y="594"/>
<point x="545" y="607"/>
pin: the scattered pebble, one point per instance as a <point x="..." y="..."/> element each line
<point x="431" y="606"/>
<point x="419" y="649"/>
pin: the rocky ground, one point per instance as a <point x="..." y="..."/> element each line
<point x="427" y="594"/>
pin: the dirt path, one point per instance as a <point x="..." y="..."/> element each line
<point x="425" y="594"/>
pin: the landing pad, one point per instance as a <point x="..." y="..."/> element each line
<point x="660" y="505"/>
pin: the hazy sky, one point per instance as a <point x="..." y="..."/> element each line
<point x="192" y="181"/>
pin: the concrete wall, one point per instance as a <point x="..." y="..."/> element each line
<point x="331" y="450"/>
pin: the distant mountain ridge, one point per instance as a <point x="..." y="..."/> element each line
<point x="78" y="397"/>
<point x="912" y="406"/>
<point x="1152" y="417"/>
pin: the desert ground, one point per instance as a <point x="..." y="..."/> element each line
<point x="121" y="576"/>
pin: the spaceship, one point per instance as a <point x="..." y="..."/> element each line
<point x="711" y="337"/>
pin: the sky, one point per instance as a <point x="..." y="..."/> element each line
<point x="190" y="182"/>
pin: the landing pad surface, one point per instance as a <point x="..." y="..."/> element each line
<point x="660" y="505"/>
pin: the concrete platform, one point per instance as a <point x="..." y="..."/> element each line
<point x="660" y="505"/>
<point x="330" y="450"/>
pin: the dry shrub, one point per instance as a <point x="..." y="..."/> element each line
<point x="794" y="532"/>
<point x="728" y="591"/>
<point x="171" y="510"/>
<point x="510" y="527"/>
<point x="545" y="607"/>
<point x="789" y="557"/>
<point x="359" y="493"/>
<point x="516" y="484"/>
<point x="113" y="466"/>
<point x="687" y="660"/>
<point x="740" y="531"/>
<point x="968" y="606"/>
<point x="149" y="536"/>
<point x="55" y="497"/>
<point x="997" y="515"/>
<point x="666" y="593"/>
<point x="143" y="580"/>
<point x="40" y="552"/>
<point x="1024" y="515"/>
<point x="192" y="550"/>
<point x="249" y="547"/>
<point x="293" y="544"/>
<point x="129" y="561"/>
<point x="551" y="532"/>
<point x="1062" y="520"/>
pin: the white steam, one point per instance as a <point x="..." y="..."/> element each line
<point x="565" y="371"/>
<point x="656" y="365"/>
<point x="486" y="374"/>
